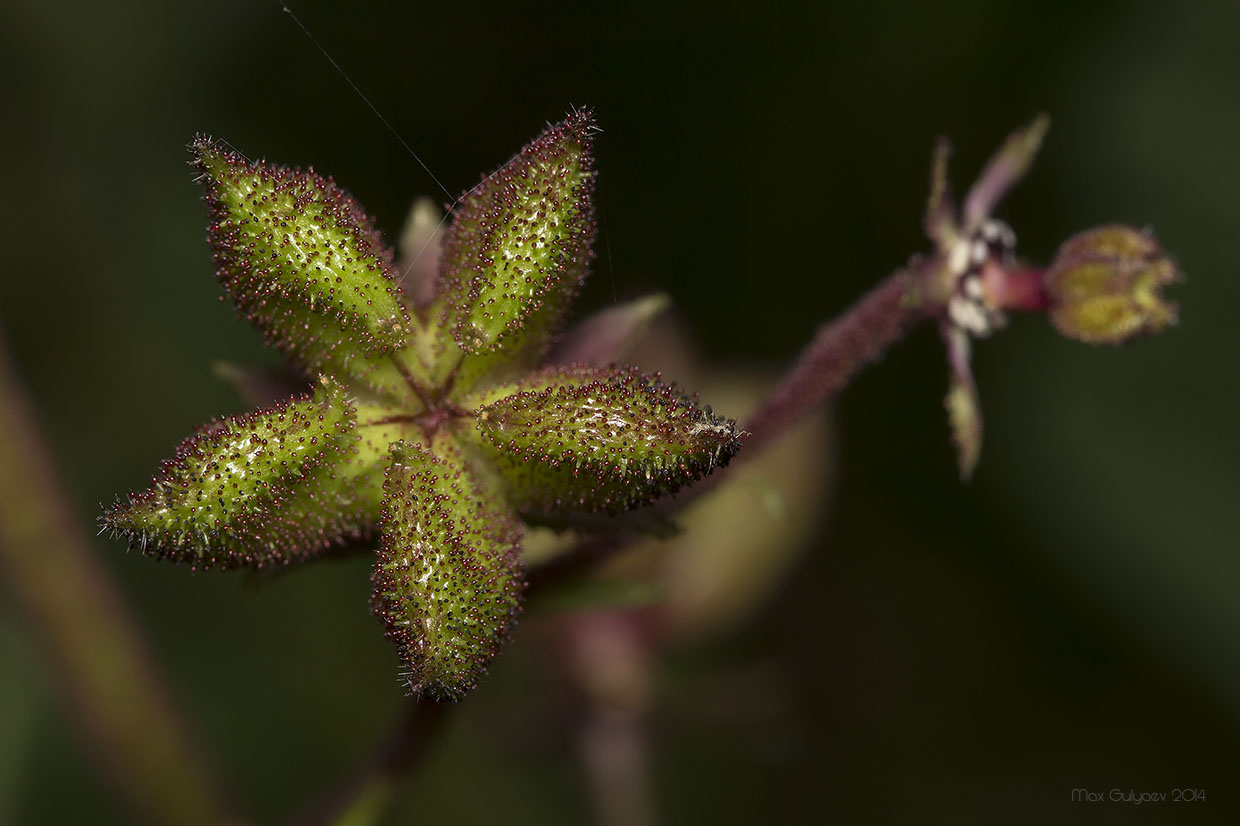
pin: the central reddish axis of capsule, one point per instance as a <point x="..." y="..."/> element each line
<point x="438" y="415"/>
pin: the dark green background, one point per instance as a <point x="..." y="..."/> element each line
<point x="1071" y="619"/>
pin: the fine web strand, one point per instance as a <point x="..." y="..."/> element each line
<point x="365" y="99"/>
<point x="452" y="201"/>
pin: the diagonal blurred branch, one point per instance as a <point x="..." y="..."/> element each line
<point x="94" y="652"/>
<point x="364" y="796"/>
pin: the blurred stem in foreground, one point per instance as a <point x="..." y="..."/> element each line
<point x="610" y="662"/>
<point x="95" y="655"/>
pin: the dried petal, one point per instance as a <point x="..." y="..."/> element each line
<point x="520" y="244"/>
<point x="964" y="410"/>
<point x="216" y="494"/>
<point x="604" y="337"/>
<point x="1002" y="172"/>
<point x="260" y="386"/>
<point x="302" y="261"/>
<point x="606" y="439"/>
<point x="421" y="244"/>
<point x="940" y="219"/>
<point x="448" y="581"/>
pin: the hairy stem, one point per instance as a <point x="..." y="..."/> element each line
<point x="94" y="652"/>
<point x="838" y="352"/>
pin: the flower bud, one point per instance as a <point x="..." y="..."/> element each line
<point x="1104" y="286"/>
<point x="421" y="243"/>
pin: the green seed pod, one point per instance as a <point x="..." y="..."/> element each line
<point x="519" y="246"/>
<point x="302" y="260"/>
<point x="448" y="581"/>
<point x="598" y="439"/>
<point x="212" y="504"/>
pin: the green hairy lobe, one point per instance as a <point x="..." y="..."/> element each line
<point x="215" y="496"/>
<point x="448" y="578"/>
<point x="520" y="246"/>
<point x="609" y="439"/>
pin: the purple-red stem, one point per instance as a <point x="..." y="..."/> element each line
<point x="1022" y="290"/>
<point x="838" y="352"/>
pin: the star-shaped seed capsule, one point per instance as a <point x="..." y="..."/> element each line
<point x="431" y="423"/>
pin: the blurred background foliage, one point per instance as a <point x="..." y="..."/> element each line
<point x="942" y="653"/>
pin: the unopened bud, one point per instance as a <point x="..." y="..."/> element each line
<point x="1104" y="286"/>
